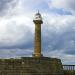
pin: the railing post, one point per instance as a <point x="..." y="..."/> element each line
<point x="69" y="67"/>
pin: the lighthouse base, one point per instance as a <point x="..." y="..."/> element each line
<point x="37" y="55"/>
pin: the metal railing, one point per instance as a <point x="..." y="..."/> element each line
<point x="69" y="67"/>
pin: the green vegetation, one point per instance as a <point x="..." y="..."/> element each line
<point x="69" y="72"/>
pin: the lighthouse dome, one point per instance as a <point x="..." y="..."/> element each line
<point x="37" y="16"/>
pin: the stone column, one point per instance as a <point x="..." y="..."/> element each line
<point x="37" y="44"/>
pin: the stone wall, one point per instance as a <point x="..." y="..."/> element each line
<point x="67" y="72"/>
<point x="31" y="66"/>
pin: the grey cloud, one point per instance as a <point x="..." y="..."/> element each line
<point x="71" y="4"/>
<point x="58" y="36"/>
<point x="17" y="36"/>
<point x="63" y="40"/>
<point x="5" y="5"/>
<point x="15" y="53"/>
<point x="68" y="5"/>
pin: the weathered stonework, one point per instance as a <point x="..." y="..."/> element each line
<point x="31" y="66"/>
<point x="37" y="44"/>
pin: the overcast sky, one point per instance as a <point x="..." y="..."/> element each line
<point x="58" y="28"/>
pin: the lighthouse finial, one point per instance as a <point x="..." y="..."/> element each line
<point x="38" y="11"/>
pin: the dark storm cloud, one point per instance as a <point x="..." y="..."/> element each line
<point x="23" y="45"/>
<point x="61" y="11"/>
<point x="5" y="5"/>
<point x="63" y="40"/>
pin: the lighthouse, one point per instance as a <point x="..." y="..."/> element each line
<point x="37" y="41"/>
